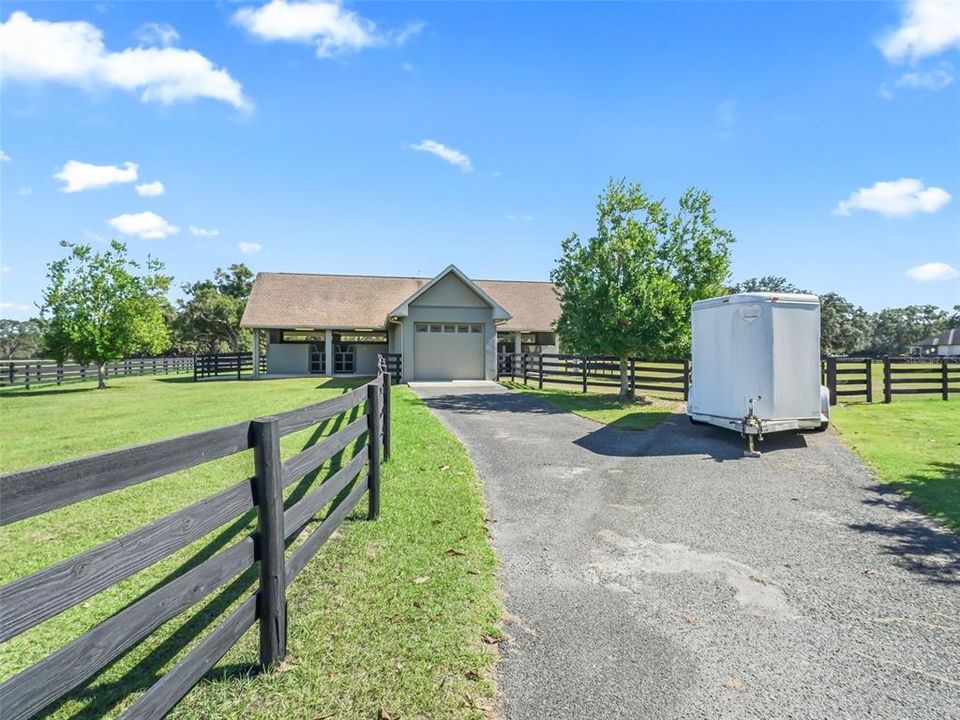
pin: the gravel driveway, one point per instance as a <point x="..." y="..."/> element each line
<point x="664" y="575"/>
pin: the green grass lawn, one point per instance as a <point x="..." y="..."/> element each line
<point x="390" y="615"/>
<point x="914" y="445"/>
<point x="641" y="413"/>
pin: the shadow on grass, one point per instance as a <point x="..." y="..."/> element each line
<point x="45" y="390"/>
<point x="915" y="543"/>
<point x="99" y="698"/>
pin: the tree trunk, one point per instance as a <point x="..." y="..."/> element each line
<point x="625" y="390"/>
<point x="101" y="375"/>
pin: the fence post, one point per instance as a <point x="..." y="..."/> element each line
<point x="373" y="448"/>
<point x="387" y="388"/>
<point x="832" y="379"/>
<point x="583" y="372"/>
<point x="194" y="367"/>
<point x="513" y="366"/>
<point x="540" y="371"/>
<point x="868" y="368"/>
<point x="887" y="390"/>
<point x="83" y="373"/>
<point x="273" y="582"/>
<point x="12" y="373"/>
<point x="944" y="388"/>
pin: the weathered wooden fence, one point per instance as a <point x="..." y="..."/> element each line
<point x="855" y="377"/>
<point x="39" y="372"/>
<point x="32" y="599"/>
<point x="236" y="365"/>
<point x="667" y="376"/>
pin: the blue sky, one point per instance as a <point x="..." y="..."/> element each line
<point x="285" y="136"/>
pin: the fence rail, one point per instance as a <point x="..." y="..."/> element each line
<point x="857" y="377"/>
<point x="236" y="365"/>
<point x="394" y="365"/>
<point x="37" y="597"/>
<point x="40" y="372"/>
<point x="669" y="376"/>
<point x="845" y="377"/>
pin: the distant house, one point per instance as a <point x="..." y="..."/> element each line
<point x="449" y="327"/>
<point x="946" y="344"/>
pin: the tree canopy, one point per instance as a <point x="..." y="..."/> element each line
<point x="767" y="283"/>
<point x="209" y="316"/>
<point x="97" y="307"/>
<point x="627" y="290"/>
<point x="21" y="339"/>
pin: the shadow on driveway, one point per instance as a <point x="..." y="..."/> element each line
<point x="912" y="540"/>
<point x="674" y="436"/>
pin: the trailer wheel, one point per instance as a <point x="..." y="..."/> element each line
<point x="823" y="427"/>
<point x="695" y="422"/>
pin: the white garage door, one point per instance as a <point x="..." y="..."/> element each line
<point x="448" y="351"/>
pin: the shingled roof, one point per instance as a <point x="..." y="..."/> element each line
<point x="947" y="337"/>
<point x="301" y="300"/>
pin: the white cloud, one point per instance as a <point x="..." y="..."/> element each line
<point x="933" y="272"/>
<point x="203" y="232"/>
<point x="73" y="53"/>
<point x="249" y="248"/>
<point x="5" y="269"/>
<point x="84" y="176"/>
<point x="885" y="92"/>
<point x="928" y="27"/>
<point x="146" y="225"/>
<point x="905" y="196"/>
<point x="154" y="33"/>
<point x="25" y="190"/>
<point x="150" y="189"/>
<point x="454" y="157"/>
<point x="14" y="306"/>
<point x="4" y="157"/>
<point x="930" y="80"/>
<point x="332" y="29"/>
<point x="407" y="67"/>
<point x="520" y="218"/>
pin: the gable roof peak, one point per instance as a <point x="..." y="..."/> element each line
<point x="499" y="313"/>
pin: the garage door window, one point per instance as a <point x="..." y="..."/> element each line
<point x="459" y="329"/>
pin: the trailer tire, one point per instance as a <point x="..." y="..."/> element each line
<point x="823" y="427"/>
<point x="696" y="422"/>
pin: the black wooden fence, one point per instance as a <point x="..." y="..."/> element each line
<point x="32" y="599"/>
<point x="39" y="372"/>
<point x="854" y="377"/>
<point x="394" y="365"/>
<point x="666" y="376"/>
<point x="236" y="365"/>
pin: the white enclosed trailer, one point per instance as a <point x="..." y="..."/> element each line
<point x="756" y="364"/>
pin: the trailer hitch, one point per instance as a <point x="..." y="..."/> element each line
<point x="751" y="426"/>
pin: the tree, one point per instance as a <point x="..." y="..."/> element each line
<point x="767" y="283"/>
<point x="209" y="319"/>
<point x="20" y="338"/>
<point x="895" y="329"/>
<point x="844" y="327"/>
<point x="97" y="308"/>
<point x="627" y="291"/>
<point x="954" y="320"/>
